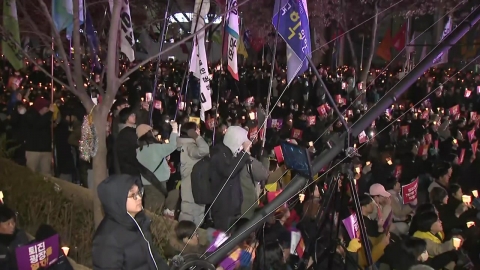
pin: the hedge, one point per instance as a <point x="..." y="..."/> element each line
<point x="67" y="207"/>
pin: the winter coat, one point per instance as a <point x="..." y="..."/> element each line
<point x="8" y="244"/>
<point x="249" y="186"/>
<point x="126" y="149"/>
<point x="191" y="151"/>
<point x="122" y="241"/>
<point x="152" y="155"/>
<point x="39" y="135"/>
<point x="225" y="179"/>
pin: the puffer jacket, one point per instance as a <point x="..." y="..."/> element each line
<point x="191" y="151"/>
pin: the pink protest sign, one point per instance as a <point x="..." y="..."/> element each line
<point x="409" y="192"/>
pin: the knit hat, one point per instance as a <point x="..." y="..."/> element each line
<point x="142" y="129"/>
<point x="40" y="103"/>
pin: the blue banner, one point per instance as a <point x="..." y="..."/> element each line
<point x="293" y="26"/>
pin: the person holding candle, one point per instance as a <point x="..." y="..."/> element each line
<point x="461" y="203"/>
<point x="429" y="228"/>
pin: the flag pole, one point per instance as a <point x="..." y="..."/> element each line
<point x="162" y="41"/>
<point x="221" y="72"/>
<point x="52" y="90"/>
<point x="187" y="73"/>
<point x="270" y="83"/>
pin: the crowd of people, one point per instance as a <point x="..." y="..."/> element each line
<point x="216" y="174"/>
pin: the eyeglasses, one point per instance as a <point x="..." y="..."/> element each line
<point x="137" y="195"/>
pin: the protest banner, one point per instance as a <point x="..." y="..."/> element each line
<point x="351" y="225"/>
<point x="38" y="254"/>
<point x="409" y="192"/>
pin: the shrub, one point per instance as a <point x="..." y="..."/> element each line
<point x="6" y="148"/>
<point x="65" y="206"/>
<point x="38" y="201"/>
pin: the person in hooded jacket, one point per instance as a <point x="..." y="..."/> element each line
<point x="123" y="239"/>
<point x="126" y="143"/>
<point x="229" y="159"/>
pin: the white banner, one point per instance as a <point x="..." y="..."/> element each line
<point x="198" y="62"/>
<point x="127" y="40"/>
<point x="442" y="58"/>
<point x="233" y="38"/>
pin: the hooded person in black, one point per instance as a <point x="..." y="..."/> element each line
<point x="123" y="239"/>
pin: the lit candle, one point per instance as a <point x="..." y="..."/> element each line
<point x="475" y="193"/>
<point x="470" y="224"/>
<point x="66" y="250"/>
<point x="467" y="199"/>
<point x="456" y="242"/>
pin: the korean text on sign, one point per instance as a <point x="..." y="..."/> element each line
<point x="39" y="254"/>
<point x="409" y="192"/>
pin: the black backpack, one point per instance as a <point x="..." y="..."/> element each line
<point x="201" y="184"/>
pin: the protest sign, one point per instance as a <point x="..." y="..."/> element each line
<point x="409" y="192"/>
<point x="351" y="225"/>
<point x="38" y="254"/>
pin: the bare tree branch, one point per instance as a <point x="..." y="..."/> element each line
<point x="77" y="61"/>
<point x="112" y="75"/>
<point x="130" y="71"/>
<point x="58" y="42"/>
<point x="40" y="67"/>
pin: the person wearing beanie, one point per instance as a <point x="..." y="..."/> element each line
<point x="38" y="140"/>
<point x="155" y="156"/>
<point x="126" y="144"/>
<point x="230" y="158"/>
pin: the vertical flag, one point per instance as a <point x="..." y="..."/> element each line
<point x="399" y="39"/>
<point x="127" y="41"/>
<point x="92" y="40"/>
<point x="384" y="49"/>
<point x="11" y="41"/>
<point x="233" y="38"/>
<point x="294" y="28"/>
<point x="442" y="58"/>
<point x="198" y="62"/>
<point x="241" y="48"/>
<point x="62" y="14"/>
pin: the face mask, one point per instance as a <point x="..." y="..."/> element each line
<point x="22" y="110"/>
<point x="424" y="256"/>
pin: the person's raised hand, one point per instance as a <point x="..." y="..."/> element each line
<point x="246" y="146"/>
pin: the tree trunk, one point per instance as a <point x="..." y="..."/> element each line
<point x="352" y="51"/>
<point x="99" y="162"/>
<point x="373" y="43"/>
<point x="101" y="111"/>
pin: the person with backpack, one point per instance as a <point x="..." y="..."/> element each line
<point x="192" y="149"/>
<point x="229" y="160"/>
<point x="154" y="155"/>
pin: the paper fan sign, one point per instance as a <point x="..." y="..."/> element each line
<point x="157" y="104"/>
<point x="196" y="120"/>
<point x="297" y="134"/>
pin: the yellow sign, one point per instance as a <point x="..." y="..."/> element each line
<point x="194" y="119"/>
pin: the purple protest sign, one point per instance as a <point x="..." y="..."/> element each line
<point x="274" y="123"/>
<point x="38" y="254"/>
<point x="387" y="222"/>
<point x="351" y="225"/>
